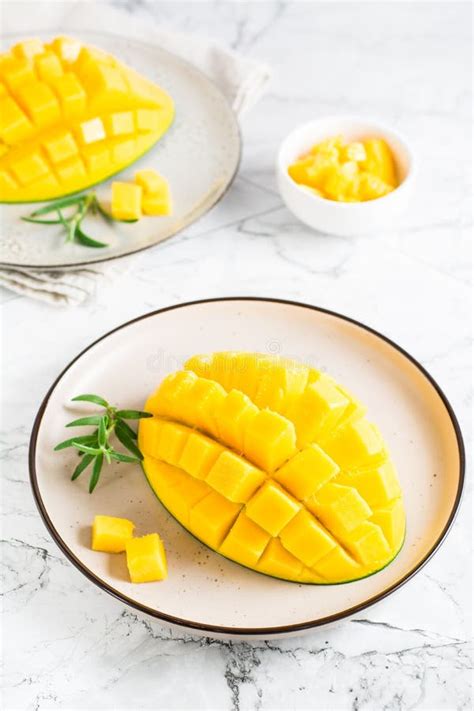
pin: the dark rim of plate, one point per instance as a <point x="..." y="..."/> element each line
<point x="261" y="632"/>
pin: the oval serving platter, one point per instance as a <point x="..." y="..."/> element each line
<point x="204" y="592"/>
<point x="199" y="155"/>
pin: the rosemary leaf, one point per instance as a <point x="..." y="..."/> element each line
<point x="83" y="464"/>
<point x="132" y="414"/>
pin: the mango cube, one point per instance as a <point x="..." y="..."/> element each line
<point x="340" y="508"/>
<point x="235" y="416"/>
<point x="27" y="49"/>
<point x="379" y="161"/>
<point x="306" y="539"/>
<point x="279" y="562"/>
<point x="39" y="102"/>
<point x="318" y="410"/>
<point x="156" y="192"/>
<point x="71" y="94"/>
<point x="245" y="541"/>
<point x="61" y="146"/>
<point x="48" y="67"/>
<point x="171" y="442"/>
<point x="270" y="440"/>
<point x="271" y="508"/>
<point x="391" y="519"/>
<point x="146" y="559"/>
<point x="357" y="445"/>
<point x="199" y="455"/>
<point x="110" y="534"/>
<point x="14" y="125"/>
<point x="306" y="472"/>
<point x="212" y="518"/>
<point x="235" y="478"/>
<point x="126" y="201"/>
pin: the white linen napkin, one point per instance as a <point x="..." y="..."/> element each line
<point x="241" y="80"/>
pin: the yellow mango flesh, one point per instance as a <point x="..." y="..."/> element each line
<point x="70" y="117"/>
<point x="305" y="491"/>
<point x="146" y="559"/>
<point x="347" y="172"/>
<point x="110" y="534"/>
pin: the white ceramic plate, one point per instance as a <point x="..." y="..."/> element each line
<point x="199" y="155"/>
<point x="204" y="591"/>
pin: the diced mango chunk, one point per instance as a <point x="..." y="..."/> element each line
<point x="39" y="102"/>
<point x="317" y="411"/>
<point x="234" y="478"/>
<point x="357" y="445"/>
<point x="212" y="518"/>
<point x="306" y="472"/>
<point x="171" y="442"/>
<point x="234" y="417"/>
<point x="146" y="559"/>
<point x="199" y="455"/>
<point x="29" y="167"/>
<point x="48" y="67"/>
<point x="338" y="566"/>
<point x="91" y="131"/>
<point x="306" y="539"/>
<point x="71" y="94"/>
<point x="71" y="171"/>
<point x="391" y="519"/>
<point x="270" y="440"/>
<point x="60" y="146"/>
<point x="379" y="161"/>
<point x="272" y="508"/>
<point x="110" y="534"/>
<point x="66" y="48"/>
<point x="27" y="49"/>
<point x="120" y="123"/>
<point x="156" y="192"/>
<point x="377" y="486"/>
<point x="279" y="562"/>
<point x="245" y="541"/>
<point x="340" y="508"/>
<point x="14" y="125"/>
<point x="126" y="201"/>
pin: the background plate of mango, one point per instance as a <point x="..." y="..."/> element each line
<point x="150" y="134"/>
<point x="276" y="493"/>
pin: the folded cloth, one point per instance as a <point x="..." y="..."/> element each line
<point x="240" y="79"/>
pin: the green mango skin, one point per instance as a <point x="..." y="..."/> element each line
<point x="268" y="575"/>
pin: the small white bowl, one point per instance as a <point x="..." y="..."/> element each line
<point x="345" y="218"/>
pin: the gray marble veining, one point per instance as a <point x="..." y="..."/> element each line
<point x="69" y="646"/>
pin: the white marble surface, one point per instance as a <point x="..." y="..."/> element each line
<point x="69" y="646"/>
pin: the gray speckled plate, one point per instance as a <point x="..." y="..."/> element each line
<point x="199" y="155"/>
<point x="205" y="592"/>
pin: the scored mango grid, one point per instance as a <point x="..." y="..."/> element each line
<point x="43" y="163"/>
<point x="183" y="387"/>
<point x="301" y="504"/>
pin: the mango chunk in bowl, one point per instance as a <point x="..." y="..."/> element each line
<point x="346" y="176"/>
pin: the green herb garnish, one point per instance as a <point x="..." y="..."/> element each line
<point x="96" y="447"/>
<point x="80" y="205"/>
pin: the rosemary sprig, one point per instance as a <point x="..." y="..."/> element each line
<point x="81" y="205"/>
<point x="96" y="447"/>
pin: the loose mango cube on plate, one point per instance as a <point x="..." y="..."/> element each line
<point x="275" y="466"/>
<point x="146" y="559"/>
<point x="110" y="534"/>
<point x="156" y="192"/>
<point x="126" y="201"/>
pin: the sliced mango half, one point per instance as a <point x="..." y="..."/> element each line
<point x="275" y="466"/>
<point x="71" y="116"/>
